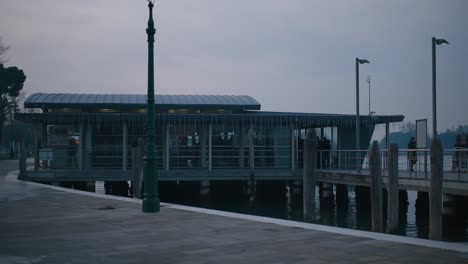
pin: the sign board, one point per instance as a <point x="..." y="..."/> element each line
<point x="421" y="133"/>
<point x="46" y="154"/>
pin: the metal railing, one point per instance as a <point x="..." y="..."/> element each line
<point x="412" y="162"/>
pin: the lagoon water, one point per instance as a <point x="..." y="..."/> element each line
<point x="272" y="200"/>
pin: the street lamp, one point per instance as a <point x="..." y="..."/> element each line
<point x="151" y="199"/>
<point x="434" y="103"/>
<point x="358" y="145"/>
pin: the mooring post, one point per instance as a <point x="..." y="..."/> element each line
<point x="376" y="187"/>
<point x="393" y="195"/>
<point x="308" y="177"/>
<point x="435" y="195"/>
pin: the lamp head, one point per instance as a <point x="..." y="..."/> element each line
<point x="151" y="3"/>
<point x="440" y="41"/>
<point x="363" y="61"/>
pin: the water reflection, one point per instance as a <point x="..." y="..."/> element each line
<point x="345" y="206"/>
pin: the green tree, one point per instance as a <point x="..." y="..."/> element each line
<point x="11" y="83"/>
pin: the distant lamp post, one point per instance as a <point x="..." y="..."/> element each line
<point x="151" y="199"/>
<point x="358" y="143"/>
<point x="434" y="99"/>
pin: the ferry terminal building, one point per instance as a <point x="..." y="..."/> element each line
<point x="198" y="137"/>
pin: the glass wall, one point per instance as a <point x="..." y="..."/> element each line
<point x="63" y="141"/>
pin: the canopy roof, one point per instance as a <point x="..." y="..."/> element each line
<point x="129" y="102"/>
<point x="255" y="117"/>
<point x="139" y="101"/>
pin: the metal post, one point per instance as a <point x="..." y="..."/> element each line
<point x="167" y="147"/>
<point x="204" y="162"/>
<point x="124" y="146"/>
<point x="36" y="146"/>
<point x="210" y="146"/>
<point x="242" y="146"/>
<point x="293" y="147"/>
<point x="434" y="105"/>
<point x="151" y="200"/>
<point x="358" y="143"/>
<point x="88" y="145"/>
<point x="357" y="106"/>
<point x="81" y="147"/>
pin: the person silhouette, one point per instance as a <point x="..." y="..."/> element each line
<point x="412" y="158"/>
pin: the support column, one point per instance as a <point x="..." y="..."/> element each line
<point x="449" y="204"/>
<point x="393" y="195"/>
<point x="387" y="142"/>
<point x="341" y="194"/>
<point x="387" y="134"/>
<point x="204" y="161"/>
<point x="167" y="144"/>
<point x="204" y="188"/>
<point x="36" y="147"/>
<point x="376" y="188"/>
<point x="251" y="183"/>
<point x="308" y="177"/>
<point x="327" y="192"/>
<point x="124" y="146"/>
<point x="242" y="147"/>
<point x="435" y="195"/>
<point x="82" y="147"/>
<point x="44" y="143"/>
<point x="297" y="188"/>
<point x="332" y="151"/>
<point x="293" y="147"/>
<point x="89" y="149"/>
<point x="210" y="147"/>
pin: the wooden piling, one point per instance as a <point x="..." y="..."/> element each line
<point x="308" y="178"/>
<point x="393" y="195"/>
<point x="376" y="188"/>
<point x="435" y="194"/>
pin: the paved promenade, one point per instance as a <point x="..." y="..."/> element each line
<point x="48" y="225"/>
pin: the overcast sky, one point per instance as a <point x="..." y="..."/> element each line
<point x="289" y="55"/>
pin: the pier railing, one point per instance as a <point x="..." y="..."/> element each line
<point x="412" y="162"/>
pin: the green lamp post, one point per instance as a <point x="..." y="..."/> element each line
<point x="435" y="42"/>
<point x="151" y="199"/>
<point x="358" y="122"/>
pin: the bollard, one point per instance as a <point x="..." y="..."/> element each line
<point x="308" y="181"/>
<point x="435" y="194"/>
<point x="376" y="188"/>
<point x="393" y="195"/>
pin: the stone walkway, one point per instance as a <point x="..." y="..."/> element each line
<point x="44" y="225"/>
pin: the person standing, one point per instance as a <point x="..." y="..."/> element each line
<point x="412" y="158"/>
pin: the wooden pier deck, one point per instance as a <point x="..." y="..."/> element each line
<point x="46" y="224"/>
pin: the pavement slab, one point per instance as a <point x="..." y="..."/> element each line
<point x="39" y="224"/>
